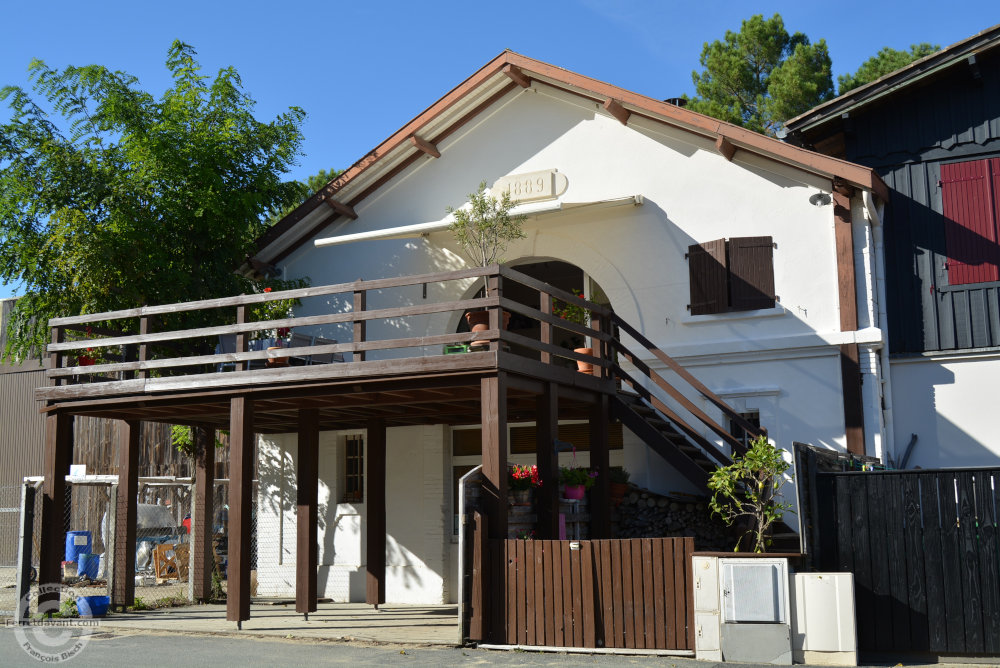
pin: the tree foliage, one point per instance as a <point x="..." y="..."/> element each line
<point x="485" y="228"/>
<point x="313" y="184"/>
<point x="111" y="198"/>
<point x="761" y="76"/>
<point x="748" y="487"/>
<point x="885" y="61"/>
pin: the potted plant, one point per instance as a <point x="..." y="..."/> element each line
<point x="748" y="488"/>
<point x="580" y="316"/>
<point x="521" y="480"/>
<point x="619" y="483"/>
<point x="483" y="230"/>
<point x="274" y="310"/>
<point x="576" y="480"/>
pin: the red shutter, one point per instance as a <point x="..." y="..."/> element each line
<point x="751" y="273"/>
<point x="971" y="210"/>
<point x="708" y="274"/>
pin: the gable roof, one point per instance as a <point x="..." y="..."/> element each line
<point x="915" y="72"/>
<point x="500" y="76"/>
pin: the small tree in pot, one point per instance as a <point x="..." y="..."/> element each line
<point x="747" y="489"/>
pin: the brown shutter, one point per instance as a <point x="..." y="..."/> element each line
<point x="707" y="270"/>
<point x="751" y="273"/>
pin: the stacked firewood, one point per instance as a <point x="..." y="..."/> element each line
<point x="645" y="514"/>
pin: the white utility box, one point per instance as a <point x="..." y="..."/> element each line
<point x="823" y="628"/>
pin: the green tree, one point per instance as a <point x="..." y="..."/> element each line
<point x="312" y="185"/>
<point x="133" y="200"/>
<point x="885" y="61"/>
<point x="748" y="489"/>
<point x="761" y="76"/>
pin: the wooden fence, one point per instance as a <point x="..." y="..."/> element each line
<point x="924" y="548"/>
<point x="628" y="593"/>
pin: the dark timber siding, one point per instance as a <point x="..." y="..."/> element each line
<point x="906" y="138"/>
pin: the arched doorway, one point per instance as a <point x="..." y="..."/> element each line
<point x="559" y="274"/>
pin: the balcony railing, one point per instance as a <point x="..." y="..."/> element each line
<point x="131" y="350"/>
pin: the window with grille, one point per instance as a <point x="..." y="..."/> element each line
<point x="731" y="275"/>
<point x="354" y="470"/>
<point x="970" y="201"/>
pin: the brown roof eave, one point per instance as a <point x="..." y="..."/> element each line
<point x="655" y="109"/>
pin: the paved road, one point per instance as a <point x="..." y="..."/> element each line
<point x="106" y="650"/>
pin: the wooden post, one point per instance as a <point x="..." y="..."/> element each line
<point x="360" y="326"/>
<point x="203" y="514"/>
<point x="123" y="594"/>
<point x="58" y="455"/>
<point x="545" y="335"/>
<point x="600" y="495"/>
<point x="24" y="553"/>
<point x="479" y="618"/>
<point x="306" y="497"/>
<point x="496" y="314"/>
<point x="375" y="584"/>
<point x="241" y="340"/>
<point x="241" y="442"/>
<point x="493" y="410"/>
<point x="850" y="371"/>
<point x="144" y="348"/>
<point x="548" y="461"/>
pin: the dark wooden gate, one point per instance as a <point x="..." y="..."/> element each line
<point x="924" y="548"/>
<point x="633" y="593"/>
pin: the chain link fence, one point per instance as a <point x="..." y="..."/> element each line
<point x="161" y="549"/>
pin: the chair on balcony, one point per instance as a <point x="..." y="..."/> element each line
<point x="300" y="341"/>
<point x="227" y="344"/>
<point x="326" y="358"/>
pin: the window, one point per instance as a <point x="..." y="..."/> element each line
<point x="970" y="200"/>
<point x="731" y="275"/>
<point x="354" y="470"/>
<point x="753" y="417"/>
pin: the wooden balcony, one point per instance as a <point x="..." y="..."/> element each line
<point x="143" y="372"/>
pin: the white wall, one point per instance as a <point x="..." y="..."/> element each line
<point x="417" y="526"/>
<point x="949" y="401"/>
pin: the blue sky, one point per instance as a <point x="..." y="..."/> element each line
<point x="362" y="70"/>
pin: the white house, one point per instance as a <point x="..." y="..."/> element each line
<point x="747" y="260"/>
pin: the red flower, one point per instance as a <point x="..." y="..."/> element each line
<point x="268" y="289"/>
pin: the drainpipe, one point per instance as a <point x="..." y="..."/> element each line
<point x="875" y="212"/>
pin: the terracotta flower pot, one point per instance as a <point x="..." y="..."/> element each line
<point x="479" y="321"/>
<point x="618" y="490"/>
<point x="581" y="366"/>
<point x="276" y="361"/>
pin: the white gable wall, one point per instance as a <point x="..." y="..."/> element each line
<point x="782" y="362"/>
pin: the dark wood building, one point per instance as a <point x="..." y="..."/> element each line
<point x="932" y="132"/>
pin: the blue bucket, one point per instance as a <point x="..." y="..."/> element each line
<point x="87" y="565"/>
<point x="92" y="606"/>
<point x="77" y="543"/>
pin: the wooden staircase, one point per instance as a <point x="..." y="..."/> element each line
<point x="666" y="432"/>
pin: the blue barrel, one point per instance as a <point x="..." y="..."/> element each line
<point x="77" y="543"/>
<point x="93" y="606"/>
<point x="87" y="565"/>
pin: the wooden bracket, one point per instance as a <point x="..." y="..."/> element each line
<point x="617" y="110"/>
<point x="516" y="75"/>
<point x="342" y="209"/>
<point x="726" y="147"/>
<point x="425" y="146"/>
<point x="842" y="188"/>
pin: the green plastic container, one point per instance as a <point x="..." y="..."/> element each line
<point x="455" y="348"/>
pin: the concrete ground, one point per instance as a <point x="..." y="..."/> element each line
<point x="412" y="625"/>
